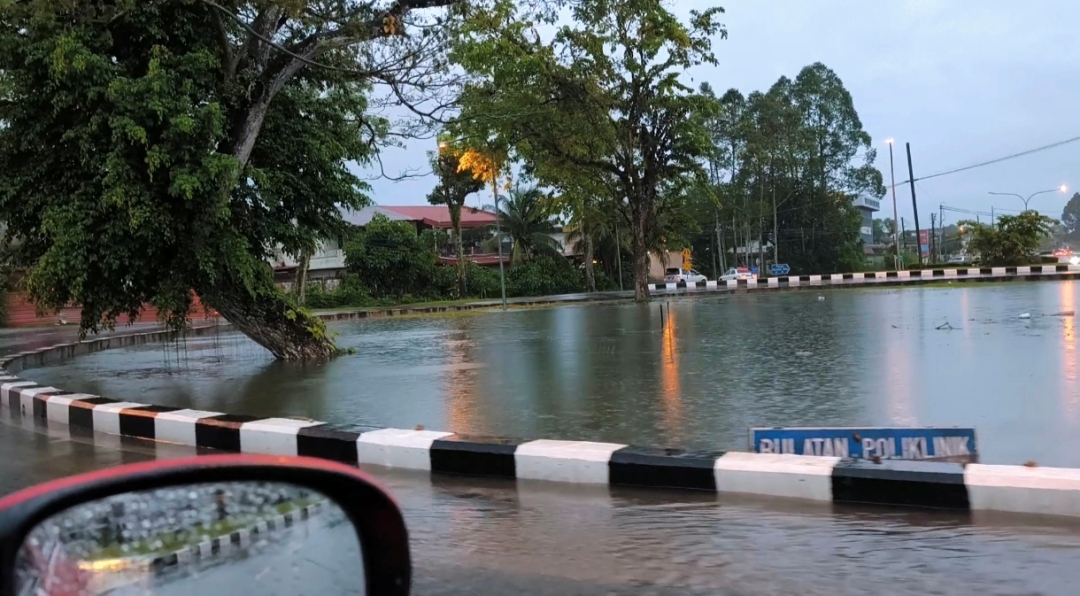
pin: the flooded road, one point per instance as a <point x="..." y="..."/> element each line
<point x="474" y="536"/>
<point x="693" y="373"/>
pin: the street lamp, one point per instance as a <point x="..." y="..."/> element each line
<point x="895" y="218"/>
<point x="1062" y="189"/>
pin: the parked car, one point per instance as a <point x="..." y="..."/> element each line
<point x="675" y="275"/>
<point x="737" y="273"/>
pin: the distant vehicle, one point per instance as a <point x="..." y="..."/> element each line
<point x="675" y="275"/>
<point x="738" y="273"/>
<point x="958" y="259"/>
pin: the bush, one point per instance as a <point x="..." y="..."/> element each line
<point x="391" y="260"/>
<point x="543" y="277"/>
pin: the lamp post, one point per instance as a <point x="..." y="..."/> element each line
<point x="895" y="217"/>
<point x="1062" y="189"/>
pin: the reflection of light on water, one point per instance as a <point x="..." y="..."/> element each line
<point x="458" y="382"/>
<point x="1069" y="352"/>
<point x="669" y="375"/>
<point x="965" y="320"/>
<point x="898" y="386"/>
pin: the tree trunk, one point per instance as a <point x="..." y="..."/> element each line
<point x="301" y="276"/>
<point x="269" y="320"/>
<point x="641" y="260"/>
<point x="590" y="274"/>
<point x="459" y="247"/>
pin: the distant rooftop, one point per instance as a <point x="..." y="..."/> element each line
<point x="436" y="216"/>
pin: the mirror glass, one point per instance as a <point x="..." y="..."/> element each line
<point x="265" y="538"/>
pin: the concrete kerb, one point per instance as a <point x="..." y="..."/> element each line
<point x="1014" y="489"/>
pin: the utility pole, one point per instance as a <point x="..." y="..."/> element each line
<point x="895" y="221"/>
<point x="933" y="238"/>
<point x="914" y="204"/>
<point x="903" y="233"/>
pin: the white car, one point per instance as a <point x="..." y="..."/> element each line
<point x="737" y="273"/>
<point x="675" y="275"/>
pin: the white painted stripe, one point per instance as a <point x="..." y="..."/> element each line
<point x="245" y="538"/>
<point x="580" y="462"/>
<point x="710" y="283"/>
<point x="205" y="549"/>
<point x="272" y="436"/>
<point x="1074" y="267"/>
<point x="903" y="275"/>
<point x="58" y="406"/>
<point x="262" y="527"/>
<point x="671" y="286"/>
<point x="732" y="283"/>
<point x="179" y="426"/>
<point x="26" y="398"/>
<point x="5" y="389"/>
<point x="836" y="277"/>
<point x="107" y="416"/>
<point x="997" y="271"/>
<point x="793" y="280"/>
<point x="815" y="278"/>
<point x="183" y="556"/>
<point x="950" y="273"/>
<point x="398" y="448"/>
<point x="857" y="276"/>
<point x="774" y="282"/>
<point x="1025" y="270"/>
<point x="1019" y="489"/>
<point x="794" y="476"/>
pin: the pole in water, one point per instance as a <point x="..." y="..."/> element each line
<point x="661" y="316"/>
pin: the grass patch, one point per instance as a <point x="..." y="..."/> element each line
<point x="170" y="542"/>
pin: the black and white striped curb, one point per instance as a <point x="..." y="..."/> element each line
<point x="1019" y="489"/>
<point x="226" y="544"/>
<point x="1059" y="271"/>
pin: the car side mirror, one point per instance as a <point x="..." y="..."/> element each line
<point x="209" y="525"/>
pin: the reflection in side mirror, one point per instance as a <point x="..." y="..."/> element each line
<point x="250" y="537"/>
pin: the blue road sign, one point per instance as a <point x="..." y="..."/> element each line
<point x="930" y="443"/>
<point x="779" y="269"/>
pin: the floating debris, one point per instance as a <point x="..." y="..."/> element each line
<point x="1026" y="315"/>
<point x="946" y="326"/>
<point x="1066" y="313"/>
<point x="821" y="299"/>
<point x="803" y="354"/>
<point x="1031" y="464"/>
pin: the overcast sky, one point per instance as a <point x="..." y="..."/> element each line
<point x="963" y="81"/>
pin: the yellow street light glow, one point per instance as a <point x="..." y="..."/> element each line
<point x="1064" y="188"/>
<point x="890" y="141"/>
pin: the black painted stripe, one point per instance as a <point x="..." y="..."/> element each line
<point x="12" y="397"/>
<point x="892" y="274"/>
<point x="938" y="273"/>
<point x="915" y="273"/>
<point x="663" y="468"/>
<point x="848" y="276"/>
<point x="804" y="278"/>
<point x="1010" y="270"/>
<point x="139" y="422"/>
<point x="896" y="482"/>
<point x="81" y="412"/>
<point x="784" y="279"/>
<point x="870" y="275"/>
<point x="474" y="456"/>
<point x="986" y="271"/>
<point x="319" y="441"/>
<point x="701" y="284"/>
<point x="220" y="432"/>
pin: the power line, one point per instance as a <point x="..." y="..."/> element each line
<point x="994" y="161"/>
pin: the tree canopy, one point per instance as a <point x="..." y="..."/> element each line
<point x="1012" y="240"/>
<point x="153" y="149"/>
<point x="602" y="97"/>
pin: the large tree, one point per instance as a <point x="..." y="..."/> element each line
<point x="1070" y="218"/>
<point x="455" y="183"/>
<point x="149" y="149"/>
<point x="602" y="97"/>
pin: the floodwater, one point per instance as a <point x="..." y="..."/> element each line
<point x="693" y="372"/>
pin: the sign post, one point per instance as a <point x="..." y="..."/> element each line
<point x="927" y="443"/>
<point x="687" y="263"/>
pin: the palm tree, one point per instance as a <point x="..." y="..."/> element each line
<point x="592" y="223"/>
<point x="527" y="217"/>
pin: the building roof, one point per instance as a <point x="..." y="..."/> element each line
<point x="363" y="217"/>
<point x="438" y="216"/>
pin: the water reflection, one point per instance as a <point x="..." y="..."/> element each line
<point x="716" y="366"/>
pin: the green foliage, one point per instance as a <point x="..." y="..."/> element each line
<point x="787" y="163"/>
<point x="148" y="149"/>
<point x="1070" y="218"/>
<point x="601" y="99"/>
<point x="390" y="259"/>
<point x="544" y="276"/>
<point x="1012" y="240"/>
<point x="527" y="217"/>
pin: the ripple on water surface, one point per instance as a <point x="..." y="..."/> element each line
<point x="697" y="377"/>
